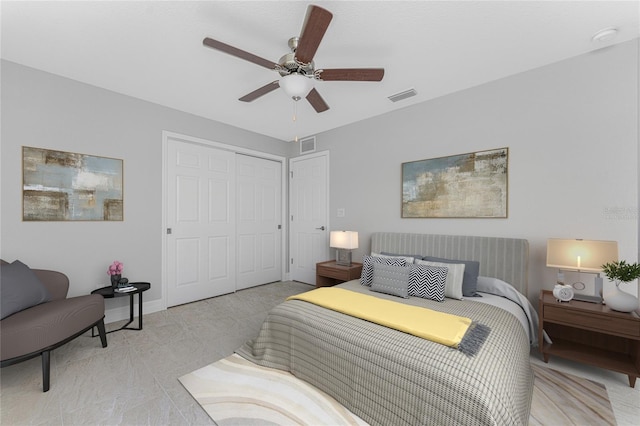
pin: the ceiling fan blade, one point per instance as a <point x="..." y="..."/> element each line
<point x="260" y="92"/>
<point x="239" y="53"/>
<point x="351" y="74"/>
<point x="316" y="101"/>
<point x="315" y="25"/>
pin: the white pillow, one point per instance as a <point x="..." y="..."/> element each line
<point x="408" y="259"/>
<point x="453" y="286"/>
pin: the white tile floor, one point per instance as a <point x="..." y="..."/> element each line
<point x="134" y="380"/>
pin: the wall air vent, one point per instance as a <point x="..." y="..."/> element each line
<point x="403" y="95"/>
<point x="307" y="145"/>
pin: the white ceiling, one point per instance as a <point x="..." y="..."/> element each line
<point x="153" y="50"/>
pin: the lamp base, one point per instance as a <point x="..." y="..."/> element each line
<point x="587" y="298"/>
<point x="343" y="257"/>
<point x="597" y="297"/>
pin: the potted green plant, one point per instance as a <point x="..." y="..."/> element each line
<point x="621" y="272"/>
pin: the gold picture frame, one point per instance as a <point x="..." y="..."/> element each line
<point x="472" y="185"/>
<point x="66" y="186"/>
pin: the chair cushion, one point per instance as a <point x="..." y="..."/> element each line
<point x="47" y="324"/>
<point x="20" y="289"/>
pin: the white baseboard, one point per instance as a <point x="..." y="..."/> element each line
<point x="122" y="313"/>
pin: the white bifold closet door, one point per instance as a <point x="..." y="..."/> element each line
<point x="201" y="213"/>
<point x="259" y="228"/>
<point x="223" y="210"/>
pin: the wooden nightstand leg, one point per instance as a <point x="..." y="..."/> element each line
<point x="632" y="381"/>
<point x="545" y="357"/>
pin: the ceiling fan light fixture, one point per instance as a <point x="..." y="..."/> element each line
<point x="296" y="86"/>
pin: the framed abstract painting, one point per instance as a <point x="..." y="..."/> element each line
<point x="473" y="185"/>
<point x="65" y="186"/>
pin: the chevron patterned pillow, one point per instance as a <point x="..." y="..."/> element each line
<point x="427" y="282"/>
<point x="367" y="266"/>
<point x="455" y="275"/>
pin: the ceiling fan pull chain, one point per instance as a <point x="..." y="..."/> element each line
<point x="295" y="110"/>
<point x="295" y="118"/>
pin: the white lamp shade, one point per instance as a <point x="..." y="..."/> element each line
<point x="296" y="85"/>
<point x="343" y="239"/>
<point x="580" y="255"/>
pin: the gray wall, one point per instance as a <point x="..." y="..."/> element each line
<point x="46" y="111"/>
<point x="572" y="133"/>
<point x="571" y="128"/>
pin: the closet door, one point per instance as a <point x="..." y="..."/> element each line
<point x="201" y="217"/>
<point x="259" y="230"/>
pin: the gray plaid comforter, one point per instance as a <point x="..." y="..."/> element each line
<point x="391" y="378"/>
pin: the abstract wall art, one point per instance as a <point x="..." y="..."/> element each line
<point x="65" y="186"/>
<point x="472" y="185"/>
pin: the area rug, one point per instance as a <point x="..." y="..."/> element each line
<point x="564" y="399"/>
<point x="234" y="391"/>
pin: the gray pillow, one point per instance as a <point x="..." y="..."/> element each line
<point x="366" y="278"/>
<point x="20" y="289"/>
<point x="389" y="279"/>
<point x="471" y="272"/>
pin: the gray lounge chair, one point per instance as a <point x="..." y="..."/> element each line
<point x="42" y="328"/>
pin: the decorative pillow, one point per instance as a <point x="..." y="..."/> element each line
<point x="427" y="282"/>
<point x="20" y="289"/>
<point x="393" y="280"/>
<point x="367" y="266"/>
<point x="471" y="272"/>
<point x="455" y="275"/>
<point x="408" y="259"/>
<point x="415" y="256"/>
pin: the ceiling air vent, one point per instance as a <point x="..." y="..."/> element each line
<point x="403" y="95"/>
<point x="308" y="145"/>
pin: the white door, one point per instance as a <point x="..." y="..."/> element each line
<point x="201" y="216"/>
<point x="259" y="215"/>
<point x="309" y="204"/>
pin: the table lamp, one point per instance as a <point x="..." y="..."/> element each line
<point x="581" y="256"/>
<point x="343" y="242"/>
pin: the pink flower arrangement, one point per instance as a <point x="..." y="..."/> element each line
<point x="115" y="268"/>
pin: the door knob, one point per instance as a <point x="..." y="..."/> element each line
<point x="321" y="228"/>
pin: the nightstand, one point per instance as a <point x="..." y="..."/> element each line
<point x="590" y="333"/>
<point x="329" y="273"/>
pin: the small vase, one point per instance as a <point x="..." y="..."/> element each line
<point x="115" y="279"/>
<point x="621" y="301"/>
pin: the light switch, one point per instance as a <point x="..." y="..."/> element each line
<point x="340" y="213"/>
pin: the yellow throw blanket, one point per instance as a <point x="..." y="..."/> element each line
<point x="432" y="325"/>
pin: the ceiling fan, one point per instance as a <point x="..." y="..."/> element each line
<point x="296" y="68"/>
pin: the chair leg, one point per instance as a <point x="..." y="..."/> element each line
<point x="102" y="332"/>
<point x="46" y="363"/>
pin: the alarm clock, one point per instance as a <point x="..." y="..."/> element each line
<point x="563" y="293"/>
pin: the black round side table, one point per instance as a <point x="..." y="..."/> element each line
<point x="109" y="293"/>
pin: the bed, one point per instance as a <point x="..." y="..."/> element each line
<point x="388" y="377"/>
